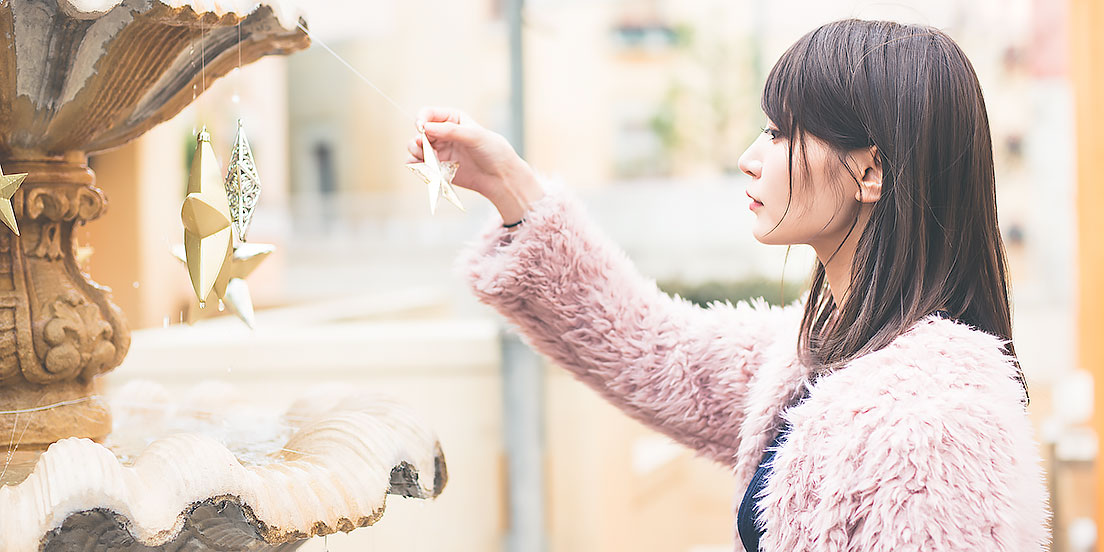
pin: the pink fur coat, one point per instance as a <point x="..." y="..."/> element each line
<point x="923" y="445"/>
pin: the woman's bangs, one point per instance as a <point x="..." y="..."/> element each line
<point x="780" y="91"/>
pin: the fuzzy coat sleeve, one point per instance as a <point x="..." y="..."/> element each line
<point x="577" y="299"/>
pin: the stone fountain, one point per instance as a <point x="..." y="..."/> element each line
<point x="82" y="76"/>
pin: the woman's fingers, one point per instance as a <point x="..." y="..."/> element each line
<point x="450" y="132"/>
<point x="433" y="114"/>
<point x="415" y="148"/>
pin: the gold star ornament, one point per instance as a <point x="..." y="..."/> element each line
<point x="216" y="265"/>
<point x="230" y="286"/>
<point x="206" y="217"/>
<point x="437" y="175"/>
<point x="9" y="184"/>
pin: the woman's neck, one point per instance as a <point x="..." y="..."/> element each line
<point x="838" y="272"/>
<point x="838" y="264"/>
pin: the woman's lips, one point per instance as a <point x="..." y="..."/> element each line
<point x="754" y="203"/>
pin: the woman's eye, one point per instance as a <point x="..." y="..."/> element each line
<point x="772" y="132"/>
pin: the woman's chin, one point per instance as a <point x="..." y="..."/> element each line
<point x="765" y="237"/>
<point x="761" y="235"/>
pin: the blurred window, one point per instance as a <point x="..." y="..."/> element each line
<point x="649" y="36"/>
<point x="323" y="158"/>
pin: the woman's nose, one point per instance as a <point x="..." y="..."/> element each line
<point x="751" y="167"/>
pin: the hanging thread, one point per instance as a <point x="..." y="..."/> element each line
<point x="355" y="72"/>
<point x="14" y="445"/>
<point x="202" y="56"/>
<point x="237" y="77"/>
<point x="191" y="61"/>
<point x="49" y="406"/>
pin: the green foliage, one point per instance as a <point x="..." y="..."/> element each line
<point x="774" y="291"/>
<point x="662" y="123"/>
<point x="685" y="35"/>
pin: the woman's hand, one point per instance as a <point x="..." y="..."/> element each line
<point x="488" y="163"/>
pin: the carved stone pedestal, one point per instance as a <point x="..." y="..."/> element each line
<point x="58" y="330"/>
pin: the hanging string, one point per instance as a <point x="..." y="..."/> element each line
<point x="191" y="63"/>
<point x="49" y="406"/>
<point x="191" y="58"/>
<point x="13" y="447"/>
<point x="202" y="55"/>
<point x="237" y="77"/>
<point x="315" y="39"/>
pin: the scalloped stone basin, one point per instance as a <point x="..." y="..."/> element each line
<point x="211" y="472"/>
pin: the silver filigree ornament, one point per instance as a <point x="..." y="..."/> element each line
<point x="243" y="185"/>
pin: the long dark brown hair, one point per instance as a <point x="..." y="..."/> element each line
<point x="932" y="242"/>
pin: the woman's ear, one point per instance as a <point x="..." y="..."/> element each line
<point x="870" y="169"/>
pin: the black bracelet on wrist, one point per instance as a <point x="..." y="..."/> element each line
<point x="513" y="224"/>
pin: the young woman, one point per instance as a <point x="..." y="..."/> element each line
<point x="885" y="410"/>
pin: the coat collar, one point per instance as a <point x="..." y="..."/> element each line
<point x="778" y="382"/>
<point x="782" y="379"/>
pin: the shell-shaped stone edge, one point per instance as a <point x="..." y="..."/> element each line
<point x="332" y="475"/>
<point x="238" y="527"/>
<point x="287" y="14"/>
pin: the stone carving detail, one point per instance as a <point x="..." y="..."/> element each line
<point x="65" y="202"/>
<point x="9" y="359"/>
<point x="75" y="339"/>
<point x="49" y="242"/>
<point x="7" y="278"/>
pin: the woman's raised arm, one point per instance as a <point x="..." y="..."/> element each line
<point x="578" y="299"/>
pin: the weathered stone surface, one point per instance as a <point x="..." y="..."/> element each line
<point x="221" y="525"/>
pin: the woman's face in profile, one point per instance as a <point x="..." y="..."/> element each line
<point x="823" y="204"/>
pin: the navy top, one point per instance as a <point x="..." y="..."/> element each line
<point x="749" y="511"/>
